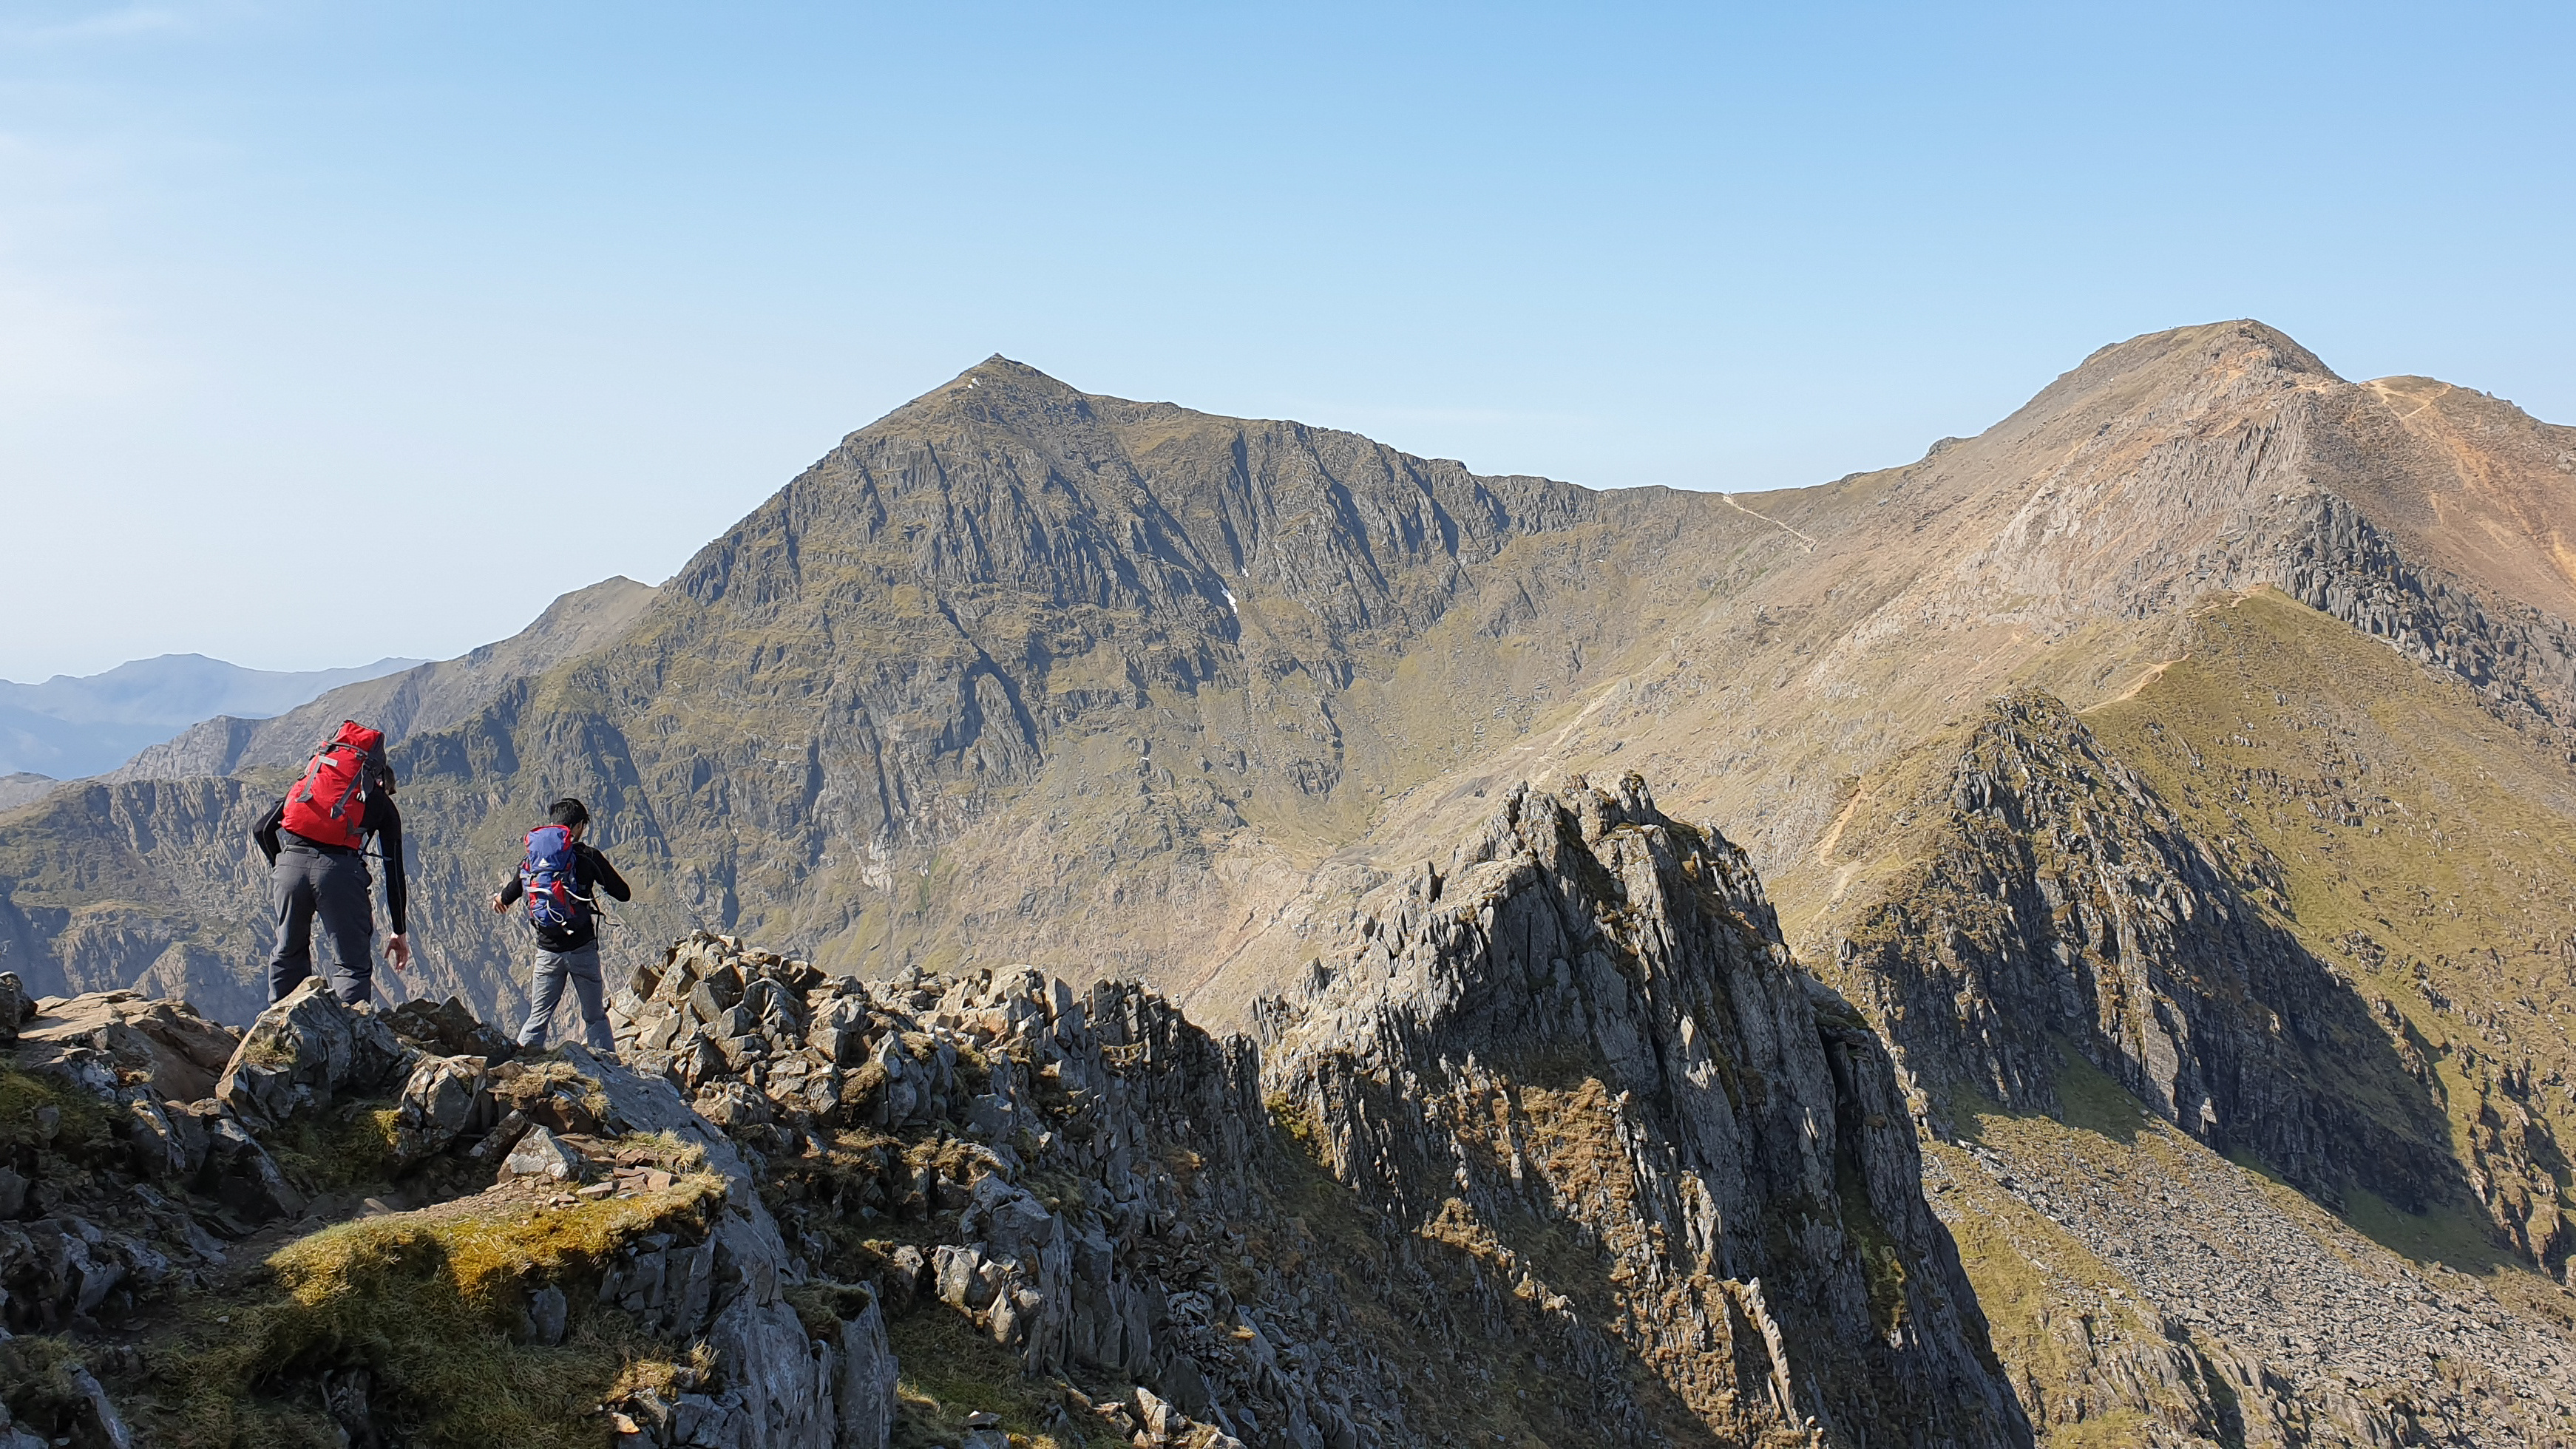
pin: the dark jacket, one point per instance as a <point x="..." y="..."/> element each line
<point x="591" y="874"/>
<point x="383" y="821"/>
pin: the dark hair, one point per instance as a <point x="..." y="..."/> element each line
<point x="568" y="811"/>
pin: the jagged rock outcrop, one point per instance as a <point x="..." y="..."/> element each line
<point x="1587" y="1024"/>
<point x="891" y="1107"/>
<point x="2065" y="902"/>
<point x="612" y="1198"/>
<point x="1576" y="1101"/>
<point x="2511" y="652"/>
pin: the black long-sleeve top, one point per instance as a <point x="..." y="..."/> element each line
<point x="591" y="874"/>
<point x="382" y="821"/>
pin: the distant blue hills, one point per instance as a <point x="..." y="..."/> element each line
<point x="69" y="727"/>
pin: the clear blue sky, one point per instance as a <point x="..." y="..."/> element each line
<point x="534" y="294"/>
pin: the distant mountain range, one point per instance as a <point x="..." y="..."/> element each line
<point x="68" y="727"/>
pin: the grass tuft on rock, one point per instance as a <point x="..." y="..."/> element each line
<point x="427" y="1303"/>
<point x="77" y="1121"/>
<point x="345" y="1145"/>
<point x="950" y="1371"/>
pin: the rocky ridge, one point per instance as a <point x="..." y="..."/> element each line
<point x="1689" y="1217"/>
<point x="1588" y="1018"/>
<point x="398" y="1221"/>
<point x="1624" y="1233"/>
<point x="2063" y="898"/>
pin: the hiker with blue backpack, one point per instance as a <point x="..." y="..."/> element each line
<point x="560" y="878"/>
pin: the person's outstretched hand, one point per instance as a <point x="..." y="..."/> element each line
<point x="398" y="951"/>
<point x="498" y="905"/>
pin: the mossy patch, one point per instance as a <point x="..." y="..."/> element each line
<point x="1882" y="1263"/>
<point x="2453" y="1234"/>
<point x="950" y="1371"/>
<point x="36" y="1382"/>
<point x="349" y="1144"/>
<point x="537" y="1079"/>
<point x="824" y="1306"/>
<point x="2092" y="1101"/>
<point x="77" y="1122"/>
<point x="426" y="1303"/>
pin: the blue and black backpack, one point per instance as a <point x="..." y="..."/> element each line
<point x="546" y="880"/>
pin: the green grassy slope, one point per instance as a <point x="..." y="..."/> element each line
<point x="2424" y="849"/>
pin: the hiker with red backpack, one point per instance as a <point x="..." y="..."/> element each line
<point x="316" y="843"/>
<point x="560" y="878"/>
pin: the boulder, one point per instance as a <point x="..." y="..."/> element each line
<point x="16" y="1005"/>
<point x="1011" y="1221"/>
<point x="840" y="1031"/>
<point x="543" y="1322"/>
<point x="305" y="1051"/>
<point x="449" y="1028"/>
<point x="240" y="1174"/>
<point x="541" y="1154"/>
<point x="168" y="1144"/>
<point x="442" y="1100"/>
<point x="163" y="1044"/>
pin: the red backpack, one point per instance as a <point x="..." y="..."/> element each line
<point x="330" y="804"/>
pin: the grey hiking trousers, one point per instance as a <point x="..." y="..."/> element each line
<point x="304" y="885"/>
<point x="581" y="968"/>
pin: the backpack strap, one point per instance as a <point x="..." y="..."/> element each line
<point x="313" y="775"/>
<point x="357" y="778"/>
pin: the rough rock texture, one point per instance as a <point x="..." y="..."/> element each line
<point x="776" y="1383"/>
<point x="2511" y="652"/>
<point x="117" y="1209"/>
<point x="2190" y="1306"/>
<point x="1587" y="1023"/>
<point x="928" y="1106"/>
<point x="120" y="1032"/>
<point x="1575" y="1101"/>
<point x="304" y="1051"/>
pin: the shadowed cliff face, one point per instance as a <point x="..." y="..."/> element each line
<point x="2063" y="900"/>
<point x="1584" y="1044"/>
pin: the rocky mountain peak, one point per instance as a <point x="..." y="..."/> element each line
<point x="2238" y="346"/>
<point x="996" y="390"/>
<point x="1589" y="1018"/>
